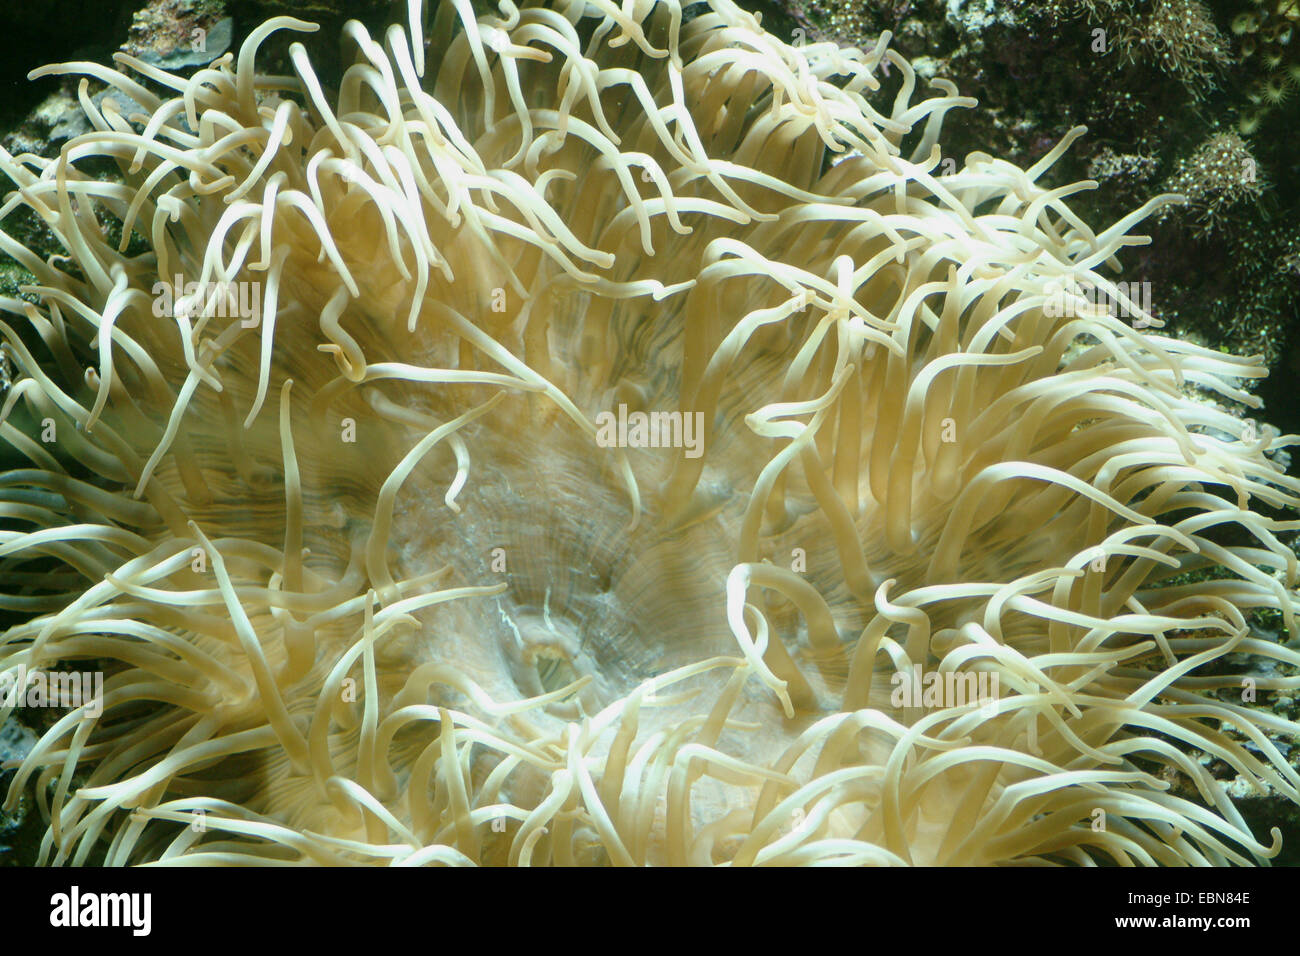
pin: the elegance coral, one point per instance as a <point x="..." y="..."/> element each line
<point x="372" y="480"/>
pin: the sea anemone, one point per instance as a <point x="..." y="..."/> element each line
<point x="574" y="442"/>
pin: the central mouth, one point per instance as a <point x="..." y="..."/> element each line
<point x="586" y="599"/>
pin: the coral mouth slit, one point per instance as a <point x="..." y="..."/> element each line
<point x="376" y="581"/>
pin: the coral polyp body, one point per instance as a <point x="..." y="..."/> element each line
<point x="602" y="435"/>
